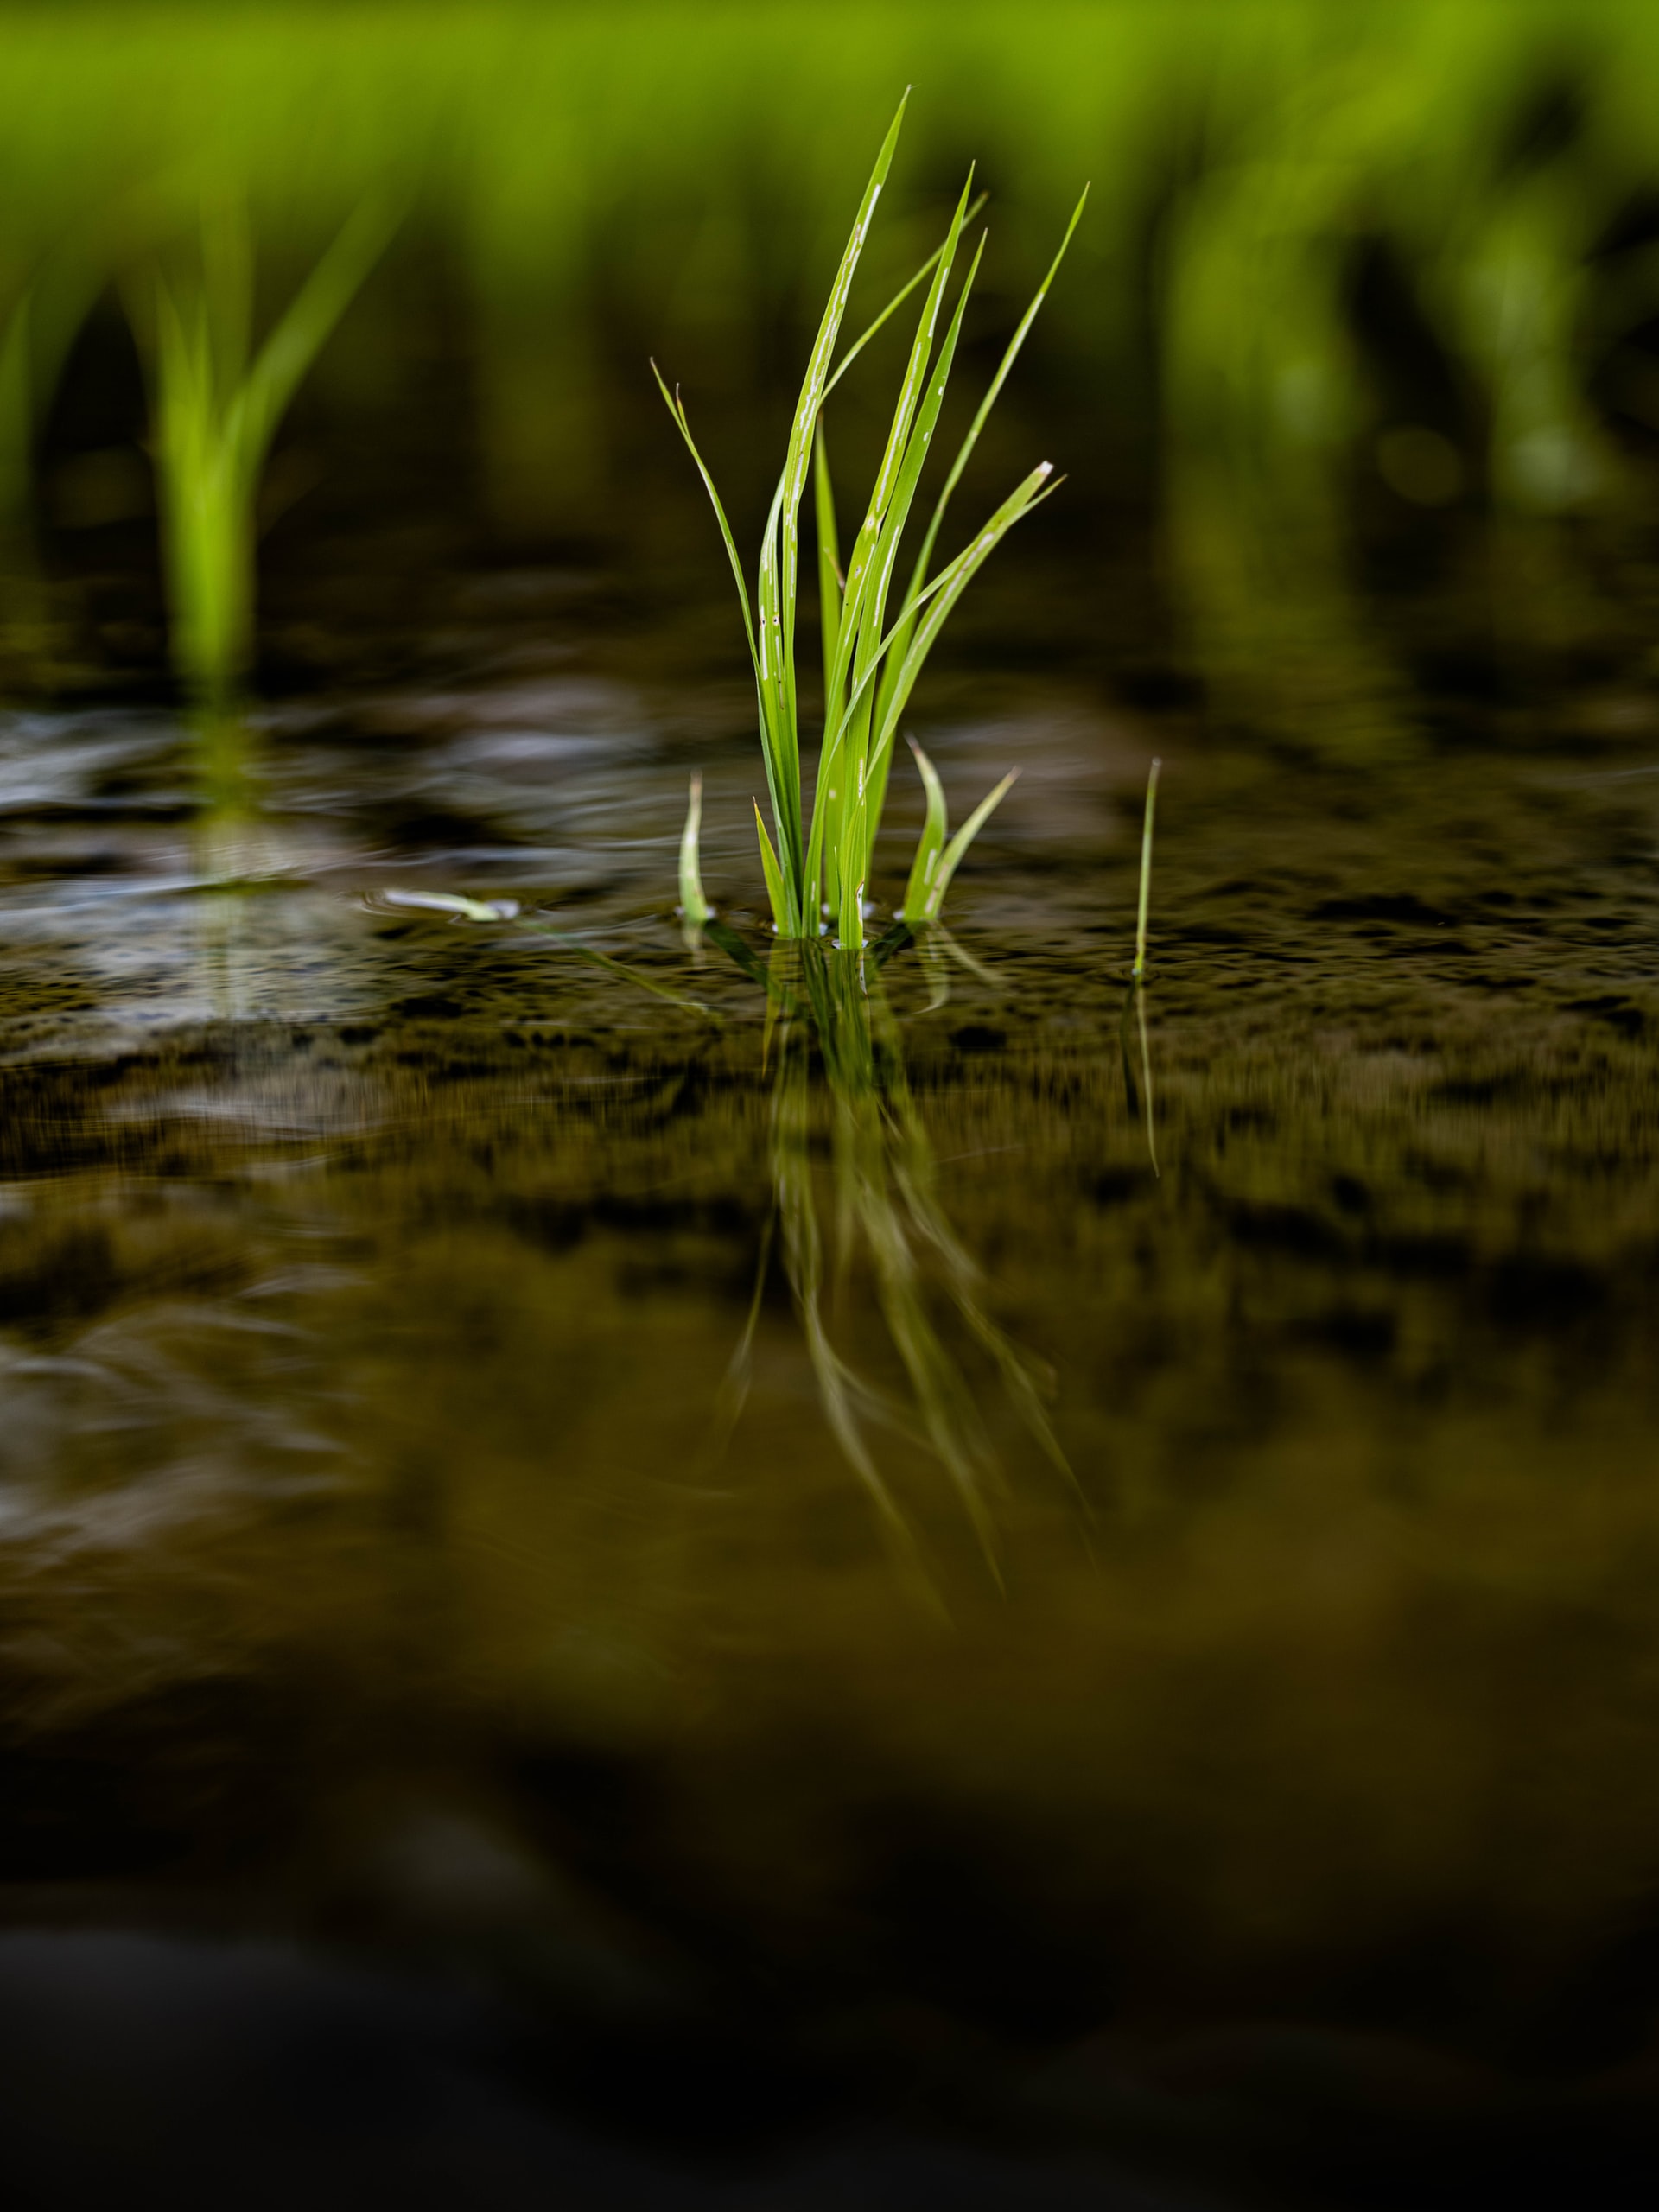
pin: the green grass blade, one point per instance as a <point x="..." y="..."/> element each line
<point x="783" y="913"/>
<point x="876" y="580"/>
<point x="206" y="531"/>
<point x="811" y="398"/>
<point x="829" y="590"/>
<point x="859" y="630"/>
<point x="676" y="409"/>
<point x="849" y="902"/>
<point x="1011" y="353"/>
<point x="830" y="578"/>
<point x="870" y="570"/>
<point x="921" y="353"/>
<point x="892" y="530"/>
<point x="693" y="906"/>
<point x="895" y="304"/>
<point x="304" y="330"/>
<point x="932" y="842"/>
<point x="947" y="587"/>
<point x="938" y="597"/>
<point x="874" y="607"/>
<point x="950" y="859"/>
<point x="780" y="737"/>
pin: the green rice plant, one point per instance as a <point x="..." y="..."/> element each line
<point x="216" y="404"/>
<point x="817" y="860"/>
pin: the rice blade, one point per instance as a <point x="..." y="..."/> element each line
<point x="947" y="587"/>
<point x="829" y="569"/>
<point x="693" y="906"/>
<point x="859" y="629"/>
<point x="950" y="859"/>
<point x="895" y="303"/>
<point x="676" y="408"/>
<point x="305" y="328"/>
<point x="1011" y="353"/>
<point x="932" y="843"/>
<point x="782" y="914"/>
<point x="811" y="395"/>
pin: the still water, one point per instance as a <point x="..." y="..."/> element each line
<point x="743" y="1583"/>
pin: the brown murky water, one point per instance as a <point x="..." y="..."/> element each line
<point x="963" y="1591"/>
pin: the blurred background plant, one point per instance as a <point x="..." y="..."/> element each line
<point x="215" y="404"/>
<point x="1369" y="301"/>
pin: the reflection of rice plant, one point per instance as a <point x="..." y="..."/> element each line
<point x="871" y="665"/>
<point x="884" y="1207"/>
<point x="216" y="405"/>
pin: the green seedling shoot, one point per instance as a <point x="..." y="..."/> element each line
<point x="936" y="861"/>
<point x="817" y="859"/>
<point x="695" y="909"/>
<point x="216" y="404"/>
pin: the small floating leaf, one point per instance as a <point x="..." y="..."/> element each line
<point x="452" y="902"/>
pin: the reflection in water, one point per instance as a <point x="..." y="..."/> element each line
<point x="351" y="1353"/>
<point x="232" y="850"/>
<point x="1139" y="1094"/>
<point x="884" y="1216"/>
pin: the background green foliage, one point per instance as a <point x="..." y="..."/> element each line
<point x="1273" y="179"/>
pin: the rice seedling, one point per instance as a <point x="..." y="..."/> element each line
<point x="695" y="909"/>
<point x="937" y="861"/>
<point x="817" y="859"/>
<point x="215" y="405"/>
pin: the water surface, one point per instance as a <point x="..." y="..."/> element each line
<point x="963" y="1591"/>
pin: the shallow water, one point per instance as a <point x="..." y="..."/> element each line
<point x="966" y="1590"/>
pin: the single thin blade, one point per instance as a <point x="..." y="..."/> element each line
<point x="932" y="843"/>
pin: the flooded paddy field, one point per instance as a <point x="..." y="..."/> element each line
<point x="1189" y="1746"/>
<point x="648" y="1564"/>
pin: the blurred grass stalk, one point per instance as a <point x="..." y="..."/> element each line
<point x="216" y="405"/>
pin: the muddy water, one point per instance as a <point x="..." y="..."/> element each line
<point x="733" y="1585"/>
